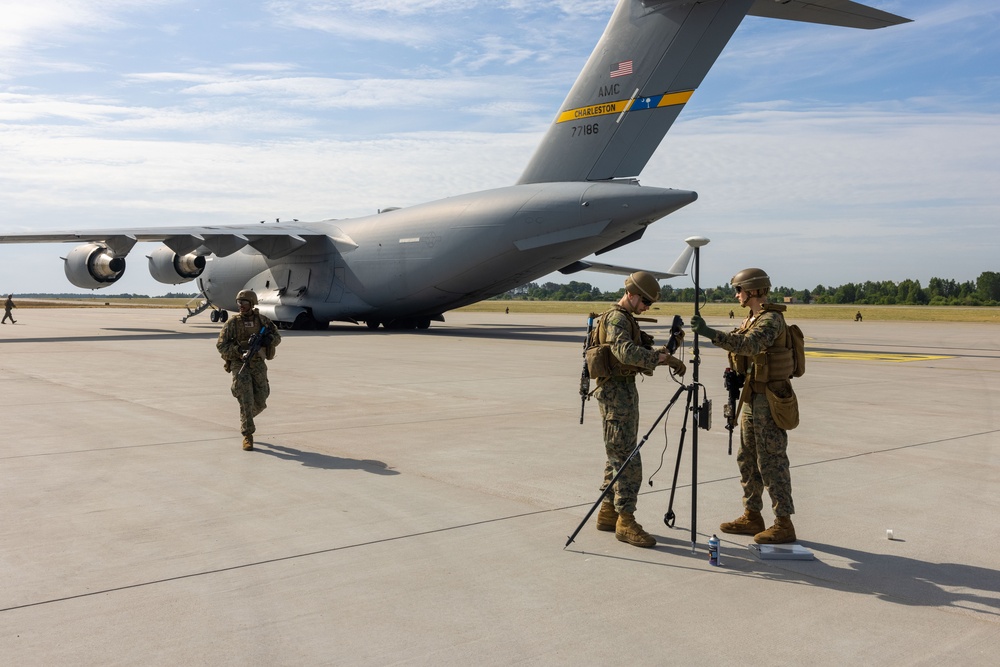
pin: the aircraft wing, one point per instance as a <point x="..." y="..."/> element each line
<point x="271" y="240"/>
<point x="830" y="12"/>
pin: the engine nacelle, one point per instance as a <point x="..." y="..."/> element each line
<point x="93" y="266"/>
<point x="168" y="267"/>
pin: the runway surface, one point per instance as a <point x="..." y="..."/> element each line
<point x="411" y="494"/>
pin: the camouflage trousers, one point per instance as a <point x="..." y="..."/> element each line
<point x="619" y="403"/>
<point x="251" y="390"/>
<point x="763" y="459"/>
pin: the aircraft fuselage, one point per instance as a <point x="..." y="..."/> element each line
<point x="421" y="261"/>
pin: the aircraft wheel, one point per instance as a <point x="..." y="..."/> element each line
<point x="224" y="316"/>
<point x="424" y="323"/>
<point x="304" y="322"/>
<point x="214" y="316"/>
<point x="372" y="324"/>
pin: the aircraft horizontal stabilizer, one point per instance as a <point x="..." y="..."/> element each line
<point x="584" y="265"/>
<point x="829" y="12"/>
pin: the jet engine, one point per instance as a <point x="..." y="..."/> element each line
<point x="93" y="266"/>
<point x="168" y="267"/>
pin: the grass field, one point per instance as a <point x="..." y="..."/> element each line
<point x="795" y="311"/>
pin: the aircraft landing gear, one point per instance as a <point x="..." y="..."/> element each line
<point x="372" y="324"/>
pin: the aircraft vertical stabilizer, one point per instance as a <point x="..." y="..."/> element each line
<point x="651" y="58"/>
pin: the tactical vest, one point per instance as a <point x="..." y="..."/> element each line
<point x="775" y="363"/>
<point x="617" y="368"/>
<point x="243" y="332"/>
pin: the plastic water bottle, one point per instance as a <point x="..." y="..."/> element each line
<point x="713" y="551"/>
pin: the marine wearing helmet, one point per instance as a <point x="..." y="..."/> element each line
<point x="752" y="280"/>
<point x="248" y="295"/>
<point x="645" y="285"/>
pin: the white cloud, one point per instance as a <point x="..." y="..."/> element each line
<point x="275" y="119"/>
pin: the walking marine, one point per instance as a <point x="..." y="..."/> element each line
<point x="6" y="310"/>
<point x="625" y="351"/>
<point x="250" y="385"/>
<point x="761" y="348"/>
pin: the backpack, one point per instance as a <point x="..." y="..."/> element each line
<point x="598" y="355"/>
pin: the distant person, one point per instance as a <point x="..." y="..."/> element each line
<point x="631" y="352"/>
<point x="731" y="314"/>
<point x="857" y="317"/>
<point x="250" y="387"/>
<point x="6" y="310"/>
<point x="757" y="350"/>
<point x="506" y="310"/>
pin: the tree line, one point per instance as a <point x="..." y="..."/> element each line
<point x="984" y="291"/>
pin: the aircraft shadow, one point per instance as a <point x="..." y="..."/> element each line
<point x="551" y="334"/>
<point x="323" y="461"/>
<point x="133" y="334"/>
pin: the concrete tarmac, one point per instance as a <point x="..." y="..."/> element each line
<point x="411" y="494"/>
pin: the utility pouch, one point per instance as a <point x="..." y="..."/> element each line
<point x="228" y="366"/>
<point x="600" y="361"/>
<point x="784" y="408"/>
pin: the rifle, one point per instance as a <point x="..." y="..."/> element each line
<point x="585" y="373"/>
<point x="734" y="383"/>
<point x="255" y="343"/>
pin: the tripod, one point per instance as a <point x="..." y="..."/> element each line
<point x="691" y="390"/>
<point x="702" y="413"/>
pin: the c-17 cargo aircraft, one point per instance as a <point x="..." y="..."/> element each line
<point x="403" y="268"/>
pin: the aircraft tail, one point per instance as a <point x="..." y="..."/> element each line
<point x="651" y="58"/>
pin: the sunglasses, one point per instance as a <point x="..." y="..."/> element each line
<point x="646" y="302"/>
<point x="738" y="289"/>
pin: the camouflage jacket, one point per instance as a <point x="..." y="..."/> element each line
<point x="620" y="330"/>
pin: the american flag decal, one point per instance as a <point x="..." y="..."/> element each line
<point x="621" y="69"/>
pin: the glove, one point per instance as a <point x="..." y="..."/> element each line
<point x="699" y="327"/>
<point x="677" y="366"/>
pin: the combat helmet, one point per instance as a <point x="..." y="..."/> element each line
<point x="644" y="284"/>
<point x="248" y="294"/>
<point x="751" y="279"/>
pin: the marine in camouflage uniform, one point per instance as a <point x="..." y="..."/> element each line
<point x="762" y="458"/>
<point x="618" y="399"/>
<point x="250" y="387"/>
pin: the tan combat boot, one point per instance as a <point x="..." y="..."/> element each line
<point x="627" y="530"/>
<point x="782" y="532"/>
<point x="750" y="523"/>
<point x="247" y="443"/>
<point x="607" y="517"/>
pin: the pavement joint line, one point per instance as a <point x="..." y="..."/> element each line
<point x="270" y="561"/>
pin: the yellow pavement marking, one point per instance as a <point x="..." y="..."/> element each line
<point x="878" y="356"/>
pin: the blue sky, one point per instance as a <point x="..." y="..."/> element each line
<point x="824" y="155"/>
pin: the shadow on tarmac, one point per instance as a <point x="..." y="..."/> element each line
<point x="895" y="579"/>
<point x="324" y="461"/>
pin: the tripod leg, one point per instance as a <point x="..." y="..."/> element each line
<point x="669" y="519"/>
<point x="627" y="461"/>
